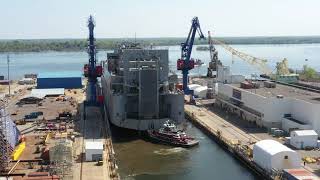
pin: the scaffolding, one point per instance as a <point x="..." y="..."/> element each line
<point x="61" y="159"/>
<point x="9" y="136"/>
<point x="5" y="148"/>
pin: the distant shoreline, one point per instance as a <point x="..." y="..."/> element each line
<point x="69" y="45"/>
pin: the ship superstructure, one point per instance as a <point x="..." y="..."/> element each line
<point x="136" y="89"/>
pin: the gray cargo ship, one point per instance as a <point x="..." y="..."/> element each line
<point x="136" y="89"/>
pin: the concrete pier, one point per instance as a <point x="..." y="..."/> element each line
<point x="95" y="128"/>
<point x="236" y="141"/>
<point x="226" y="130"/>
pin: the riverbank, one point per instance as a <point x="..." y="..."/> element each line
<point x="67" y="45"/>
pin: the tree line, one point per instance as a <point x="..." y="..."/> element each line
<point x="81" y="44"/>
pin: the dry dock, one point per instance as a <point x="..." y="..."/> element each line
<point x="93" y="128"/>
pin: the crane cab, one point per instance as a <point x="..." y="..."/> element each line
<point x="86" y="70"/>
<point x="97" y="72"/>
<point x="181" y="64"/>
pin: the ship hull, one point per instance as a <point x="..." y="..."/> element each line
<point x="138" y="98"/>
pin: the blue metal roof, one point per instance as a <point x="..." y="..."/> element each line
<point x="60" y="74"/>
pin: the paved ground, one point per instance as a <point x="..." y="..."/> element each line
<point x="92" y="128"/>
<point x="50" y="107"/>
<point x="228" y="130"/>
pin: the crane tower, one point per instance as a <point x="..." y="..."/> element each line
<point x="91" y="70"/>
<point x="184" y="63"/>
<point x="214" y="61"/>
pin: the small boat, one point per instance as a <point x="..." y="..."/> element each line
<point x="198" y="62"/>
<point x="169" y="134"/>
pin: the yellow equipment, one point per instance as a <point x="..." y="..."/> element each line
<point x="49" y="135"/>
<point x="18" y="151"/>
<point x="282" y="67"/>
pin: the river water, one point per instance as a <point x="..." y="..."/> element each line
<point x="142" y="160"/>
<point x="21" y="63"/>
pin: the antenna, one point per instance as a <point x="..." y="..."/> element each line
<point x="8" y="62"/>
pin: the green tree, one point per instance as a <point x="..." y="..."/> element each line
<point x="309" y="72"/>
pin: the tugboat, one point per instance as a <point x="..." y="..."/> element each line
<point x="169" y="134"/>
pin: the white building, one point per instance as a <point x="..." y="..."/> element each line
<point x="304" y="138"/>
<point x="288" y="124"/>
<point x="41" y="93"/>
<point x="201" y="92"/>
<point x="284" y="107"/>
<point x="26" y="81"/>
<point x="193" y="86"/>
<point x="270" y="154"/>
<point x="225" y="76"/>
<point x="94" y="150"/>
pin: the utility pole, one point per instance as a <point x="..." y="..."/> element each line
<point x="8" y="62"/>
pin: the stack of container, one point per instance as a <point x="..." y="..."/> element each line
<point x="269" y="84"/>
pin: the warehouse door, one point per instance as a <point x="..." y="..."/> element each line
<point x="96" y="157"/>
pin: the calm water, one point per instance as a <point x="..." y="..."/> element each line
<point x="138" y="159"/>
<point x="22" y="63"/>
<point x="142" y="160"/>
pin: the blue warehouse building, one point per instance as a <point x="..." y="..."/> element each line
<point x="66" y="79"/>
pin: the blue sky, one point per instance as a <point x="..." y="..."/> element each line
<point x="35" y="19"/>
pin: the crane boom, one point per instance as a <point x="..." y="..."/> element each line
<point x="185" y="64"/>
<point x="259" y="63"/>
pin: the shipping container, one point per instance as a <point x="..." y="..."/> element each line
<point x="30" y="116"/>
<point x="33" y="76"/>
<point x="245" y="85"/>
<point x="269" y="84"/>
<point x="298" y="174"/>
<point x="4" y="82"/>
